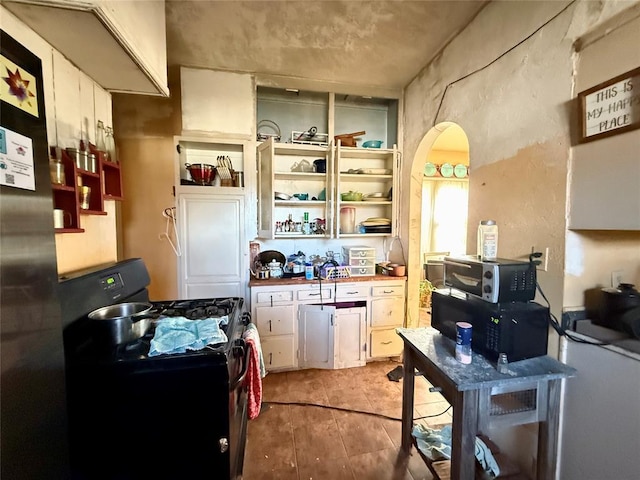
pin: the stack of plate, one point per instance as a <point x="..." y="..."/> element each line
<point x="377" y="225"/>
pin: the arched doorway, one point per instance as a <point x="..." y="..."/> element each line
<point x="444" y="137"/>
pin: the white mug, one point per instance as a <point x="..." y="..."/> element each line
<point x="60" y="217"/>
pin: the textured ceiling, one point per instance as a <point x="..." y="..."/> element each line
<point x="378" y="43"/>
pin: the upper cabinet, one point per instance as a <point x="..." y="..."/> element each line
<point x="215" y="102"/>
<point x="328" y="163"/>
<point x="120" y="45"/>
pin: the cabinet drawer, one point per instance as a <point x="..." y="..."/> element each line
<point x="384" y="343"/>
<point x="358" y="251"/>
<point x="327" y="294"/>
<point x="387" y="311"/>
<point x="279" y="352"/>
<point x="273" y="297"/>
<point x="363" y="271"/>
<point x="362" y="262"/>
<point x="346" y="292"/>
<point x="278" y="320"/>
<point x="388" y="290"/>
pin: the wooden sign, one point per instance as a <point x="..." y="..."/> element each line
<point x="611" y="107"/>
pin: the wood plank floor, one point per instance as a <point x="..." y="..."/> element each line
<point x="288" y="442"/>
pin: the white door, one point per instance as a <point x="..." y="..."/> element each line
<point x="316" y="336"/>
<point x="350" y="337"/>
<point x="212" y="239"/>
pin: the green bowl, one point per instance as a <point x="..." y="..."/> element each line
<point x="351" y="197"/>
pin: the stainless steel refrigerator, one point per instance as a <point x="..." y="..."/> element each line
<point x="33" y="438"/>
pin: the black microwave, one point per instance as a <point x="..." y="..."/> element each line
<point x="519" y="329"/>
<point x="499" y="280"/>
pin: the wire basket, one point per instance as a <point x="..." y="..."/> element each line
<point x="334" y="273"/>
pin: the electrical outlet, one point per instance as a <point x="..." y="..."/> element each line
<point x="543" y="259"/>
<point x="616" y="278"/>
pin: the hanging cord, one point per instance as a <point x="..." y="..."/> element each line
<point x="342" y="409"/>
<point x="170" y="215"/>
<point x="552" y="318"/>
<point x="435" y="118"/>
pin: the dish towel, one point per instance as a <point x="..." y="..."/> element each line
<point x="255" y="371"/>
<point x="436" y="444"/>
<point x="179" y="334"/>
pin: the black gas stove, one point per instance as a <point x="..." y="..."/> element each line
<point x="180" y="415"/>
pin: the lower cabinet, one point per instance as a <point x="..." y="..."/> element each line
<point x="331" y="337"/>
<point x="316" y="336"/>
<point x="278" y="352"/>
<point x="297" y="332"/>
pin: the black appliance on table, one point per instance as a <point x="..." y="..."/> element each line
<point x="133" y="416"/>
<point x="519" y="329"/>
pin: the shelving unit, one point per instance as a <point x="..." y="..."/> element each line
<point x="275" y="164"/>
<point x="105" y="184"/>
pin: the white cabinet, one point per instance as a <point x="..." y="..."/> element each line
<point x="216" y="102"/>
<point x="303" y="331"/>
<point x="350" y="332"/>
<point x="278" y="166"/>
<point x="316" y="336"/>
<point x="374" y="173"/>
<point x="332" y="337"/>
<point x="386" y="313"/>
<point x="211" y="232"/>
<point x="120" y="45"/>
<point x="286" y="170"/>
<point x="275" y="315"/>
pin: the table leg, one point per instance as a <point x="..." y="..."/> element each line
<point x="408" y="382"/>
<point x="463" y="435"/>
<point x="548" y="434"/>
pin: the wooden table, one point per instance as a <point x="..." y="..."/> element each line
<point x="482" y="398"/>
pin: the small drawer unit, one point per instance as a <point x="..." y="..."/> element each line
<point x="361" y="260"/>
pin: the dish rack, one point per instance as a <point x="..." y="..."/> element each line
<point x="306" y="138"/>
<point x="334" y="273"/>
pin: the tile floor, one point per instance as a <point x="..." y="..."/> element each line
<point x="306" y="442"/>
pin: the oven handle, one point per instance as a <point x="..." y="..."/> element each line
<point x="245" y="365"/>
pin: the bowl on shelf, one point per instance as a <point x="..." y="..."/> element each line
<point x="372" y="144"/>
<point x="351" y="196"/>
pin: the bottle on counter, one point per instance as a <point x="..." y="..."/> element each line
<point x="308" y="271"/>
<point x="487" y="240"/>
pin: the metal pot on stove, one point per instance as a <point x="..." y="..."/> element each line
<point x="122" y="322"/>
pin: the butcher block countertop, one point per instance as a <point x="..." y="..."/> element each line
<point x="303" y="281"/>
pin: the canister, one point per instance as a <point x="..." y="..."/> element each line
<point x="91" y="163"/>
<point x="487" y="240"/>
<point x="463" y="342"/>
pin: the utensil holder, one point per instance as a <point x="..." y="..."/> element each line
<point x="228" y="182"/>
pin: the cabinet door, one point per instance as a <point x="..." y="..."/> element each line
<point x="277" y="320"/>
<point x="387" y="311"/>
<point x="315" y="341"/>
<point x="211" y="236"/>
<point x="350" y="334"/>
<point x="278" y="352"/>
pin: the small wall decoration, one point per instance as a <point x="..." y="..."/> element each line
<point x="611" y="107"/>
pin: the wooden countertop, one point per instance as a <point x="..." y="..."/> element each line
<point x="272" y="282"/>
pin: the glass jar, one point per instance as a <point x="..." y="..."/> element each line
<point x="110" y="145"/>
<point x="56" y="168"/>
<point x="100" y="137"/>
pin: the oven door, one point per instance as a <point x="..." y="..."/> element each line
<point x="238" y="414"/>
<point x="463" y="275"/>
